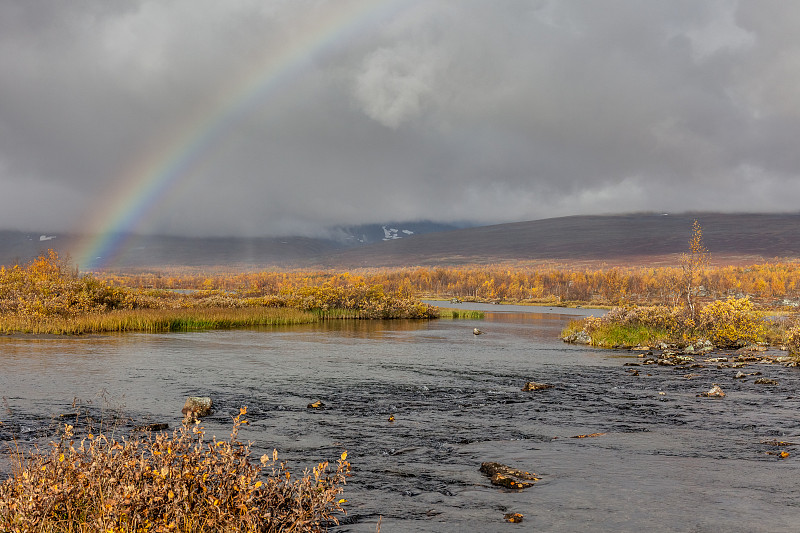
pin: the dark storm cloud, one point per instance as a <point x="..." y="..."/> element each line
<point x="446" y="110"/>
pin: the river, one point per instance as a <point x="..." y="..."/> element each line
<point x="667" y="460"/>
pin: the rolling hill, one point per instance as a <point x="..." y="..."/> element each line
<point x="613" y="239"/>
<point x="610" y="239"/>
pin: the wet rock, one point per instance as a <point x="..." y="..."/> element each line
<point x="691" y="376"/>
<point x="315" y="405"/>
<point x="152" y="427"/>
<point x="717" y="360"/>
<point x="533" y="386"/>
<point x="505" y="476"/>
<point x="740" y="375"/>
<point x="666" y="362"/>
<point x="476" y="331"/>
<point x="684" y="359"/>
<point x="753" y="348"/>
<point x="196" y="407"/>
<point x="631" y="364"/>
<point x="632" y="372"/>
<point x="579" y="337"/>
<point x="766" y="381"/>
<point x="501" y="480"/>
<point x="514" y="518"/>
<point x="640" y="348"/>
<point x="715" y="392"/>
<point x="689" y="349"/>
<point x="704" y="346"/>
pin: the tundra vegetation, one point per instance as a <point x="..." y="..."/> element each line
<point x="49" y="296"/>
<point x="181" y="482"/>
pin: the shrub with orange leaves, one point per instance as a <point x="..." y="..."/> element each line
<point x="162" y="483"/>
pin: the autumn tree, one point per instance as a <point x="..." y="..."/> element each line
<point x="692" y="264"/>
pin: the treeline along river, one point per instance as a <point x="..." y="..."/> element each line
<point x="666" y="460"/>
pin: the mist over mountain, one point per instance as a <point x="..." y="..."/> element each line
<point x="643" y="238"/>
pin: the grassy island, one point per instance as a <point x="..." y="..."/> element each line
<point x="48" y="296"/>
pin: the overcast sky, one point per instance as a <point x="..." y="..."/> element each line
<point x="454" y="110"/>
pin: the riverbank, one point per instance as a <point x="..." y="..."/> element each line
<point x="719" y="325"/>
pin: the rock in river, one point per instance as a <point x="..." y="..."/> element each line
<point x="532" y="386"/>
<point x="714" y="392"/>
<point x="766" y="381"/>
<point x="505" y="476"/>
<point x="196" y="407"/>
<point x="514" y="518"/>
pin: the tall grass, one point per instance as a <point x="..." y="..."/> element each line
<point x="156" y="320"/>
<point x="161" y="483"/>
<point x="609" y="335"/>
<point x="466" y="314"/>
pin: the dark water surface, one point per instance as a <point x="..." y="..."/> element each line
<point x="667" y="462"/>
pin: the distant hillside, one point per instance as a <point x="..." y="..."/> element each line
<point x="153" y="251"/>
<point x="158" y="251"/>
<point x="617" y="239"/>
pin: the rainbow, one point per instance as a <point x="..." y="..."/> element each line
<point x="160" y="170"/>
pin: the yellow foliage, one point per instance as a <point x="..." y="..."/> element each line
<point x="732" y="322"/>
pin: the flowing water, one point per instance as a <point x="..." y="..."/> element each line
<point x="667" y="460"/>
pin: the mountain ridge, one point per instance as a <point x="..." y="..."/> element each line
<point x="634" y="238"/>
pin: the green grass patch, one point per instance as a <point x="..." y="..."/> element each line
<point x="466" y="314"/>
<point x="624" y="335"/>
<point x="610" y="335"/>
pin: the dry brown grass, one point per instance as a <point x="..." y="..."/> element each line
<point x="158" y="483"/>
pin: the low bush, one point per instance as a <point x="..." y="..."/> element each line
<point x="161" y="483"/>
<point x="728" y="323"/>
<point x="793" y="340"/>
